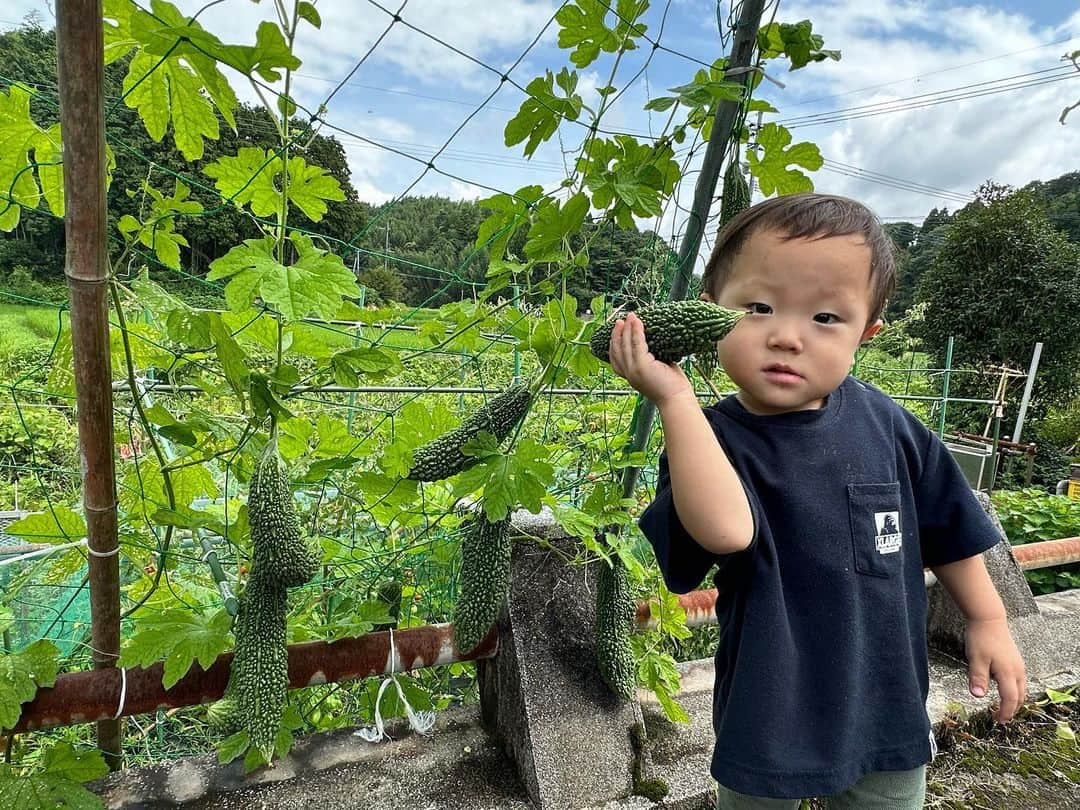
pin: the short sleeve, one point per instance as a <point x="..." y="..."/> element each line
<point x="683" y="562"/>
<point x="952" y="523"/>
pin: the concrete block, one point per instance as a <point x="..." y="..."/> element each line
<point x="542" y="694"/>
<point x="945" y="623"/>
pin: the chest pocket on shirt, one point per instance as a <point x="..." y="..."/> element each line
<point x="877" y="534"/>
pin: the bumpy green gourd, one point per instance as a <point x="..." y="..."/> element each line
<point x="442" y="457"/>
<point x="484" y="580"/>
<point x="281" y="554"/>
<point x="735" y="197"/>
<point x="260" y="668"/>
<point x="614" y="621"/>
<point x="675" y="329"/>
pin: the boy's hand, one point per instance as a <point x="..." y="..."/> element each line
<point x="992" y="653"/>
<point x="630" y="358"/>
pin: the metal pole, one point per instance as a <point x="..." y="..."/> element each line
<point x="742" y="51"/>
<point x="945" y="387"/>
<point x="1026" y="398"/>
<point x="80" y="69"/>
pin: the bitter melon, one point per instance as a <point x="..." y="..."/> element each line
<point x="614" y="621"/>
<point x="260" y="668"/>
<point x="442" y="457"/>
<point x="484" y="580"/>
<point x="675" y="329"/>
<point x="735" y="197"/>
<point x="281" y="554"/>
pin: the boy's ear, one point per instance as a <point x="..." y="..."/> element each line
<point x="705" y="296"/>
<point x="871" y="330"/>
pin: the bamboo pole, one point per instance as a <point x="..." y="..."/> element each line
<point x="81" y="69"/>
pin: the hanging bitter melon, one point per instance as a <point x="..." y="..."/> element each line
<point x="442" y="457"/>
<point x="260" y="668"/>
<point x="735" y="198"/>
<point x="675" y="329"/>
<point x="484" y="579"/>
<point x="614" y="622"/>
<point x="281" y="554"/>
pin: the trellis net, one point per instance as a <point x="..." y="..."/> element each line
<point x="352" y="392"/>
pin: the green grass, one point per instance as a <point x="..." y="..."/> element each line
<point x="22" y="325"/>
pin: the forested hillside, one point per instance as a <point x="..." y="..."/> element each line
<point x="419" y="250"/>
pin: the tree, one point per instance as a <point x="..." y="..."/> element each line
<point x="28" y="56"/>
<point x="1003" y="279"/>
<point x="382" y="285"/>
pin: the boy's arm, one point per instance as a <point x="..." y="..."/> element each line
<point x="991" y="651"/>
<point x="709" y="497"/>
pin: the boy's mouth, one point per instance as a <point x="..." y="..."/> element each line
<point x="778" y="372"/>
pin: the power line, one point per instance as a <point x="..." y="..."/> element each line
<point x="894" y="185"/>
<point x="895" y="182"/>
<point x="932" y="72"/>
<point x="930" y="99"/>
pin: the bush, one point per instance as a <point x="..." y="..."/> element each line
<point x="1030" y="516"/>
<point x="21" y="282"/>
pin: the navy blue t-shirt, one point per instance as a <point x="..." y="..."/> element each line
<point x="821" y="668"/>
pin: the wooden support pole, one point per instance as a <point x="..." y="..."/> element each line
<point x="81" y="68"/>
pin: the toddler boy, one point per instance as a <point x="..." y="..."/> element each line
<point x="820" y="501"/>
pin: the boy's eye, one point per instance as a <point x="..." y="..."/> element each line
<point x="759" y="309"/>
<point x="826" y="317"/>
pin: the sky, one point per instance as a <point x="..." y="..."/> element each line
<point x="929" y="99"/>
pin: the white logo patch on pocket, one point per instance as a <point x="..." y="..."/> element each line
<point x="888" y="538"/>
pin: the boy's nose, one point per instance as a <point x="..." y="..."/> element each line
<point x="785" y="338"/>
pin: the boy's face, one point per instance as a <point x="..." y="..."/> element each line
<point x="809" y="301"/>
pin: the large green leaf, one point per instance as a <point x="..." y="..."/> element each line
<point x="24" y="147"/>
<point x="521" y="478"/>
<point x="314" y="285"/>
<point x="248" y="178"/>
<point x="57" y="783"/>
<point x="255" y="177"/>
<point x="629" y="177"/>
<point x="542" y="112"/>
<point x="554" y="223"/>
<point x="180" y="637"/>
<point x="174" y="77"/>
<point x="508" y="213"/>
<point x="21" y="674"/>
<point x="796" y="40"/>
<point x="771" y="167"/>
<point x="583" y="27"/>
<point x="310" y="187"/>
<point x="58" y="525"/>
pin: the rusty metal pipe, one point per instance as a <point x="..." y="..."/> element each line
<point x="1047" y="553"/>
<point x="85" y="697"/>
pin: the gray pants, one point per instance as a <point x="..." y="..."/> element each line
<point x="883" y="790"/>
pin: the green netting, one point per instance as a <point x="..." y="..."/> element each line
<point x="368" y="538"/>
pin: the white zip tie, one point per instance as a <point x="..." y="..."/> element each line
<point x="41" y="552"/>
<point x="112" y="553"/>
<point x="123" y="693"/>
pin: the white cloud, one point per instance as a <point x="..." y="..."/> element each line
<point x="891" y="50"/>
